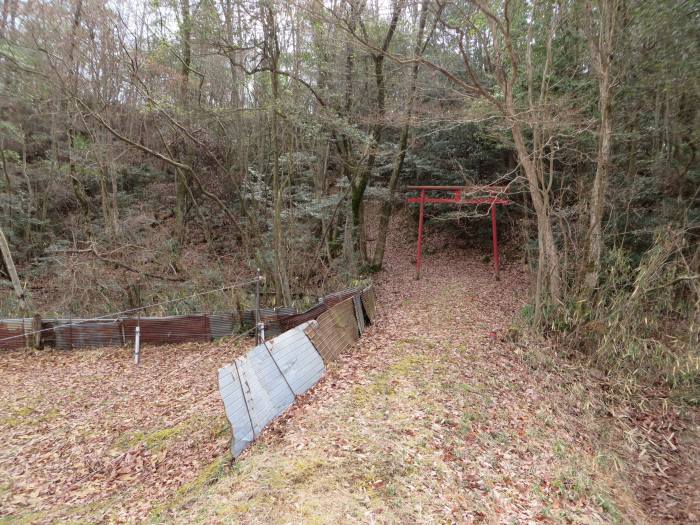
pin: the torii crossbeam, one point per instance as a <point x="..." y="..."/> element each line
<point x="475" y="195"/>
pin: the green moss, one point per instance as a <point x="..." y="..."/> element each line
<point x="206" y="477"/>
<point x="155" y="440"/>
<point x="23" y="519"/>
<point x="93" y="512"/>
<point x="410" y="364"/>
<point x="17" y="417"/>
<point x="27" y="415"/>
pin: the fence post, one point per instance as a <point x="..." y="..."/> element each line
<point x="36" y="328"/>
<point x="137" y="341"/>
<point x="259" y="327"/>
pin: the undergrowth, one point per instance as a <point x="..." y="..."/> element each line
<point x="641" y="327"/>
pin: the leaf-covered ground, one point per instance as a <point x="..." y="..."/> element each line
<point x="434" y="417"/>
<point x="87" y="435"/>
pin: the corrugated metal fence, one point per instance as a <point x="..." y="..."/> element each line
<point x="65" y="334"/>
<point x="260" y="385"/>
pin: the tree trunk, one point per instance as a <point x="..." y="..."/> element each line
<point x="8" y="181"/>
<point x="360" y="180"/>
<point x="12" y="271"/>
<point x="181" y="177"/>
<point x="601" y="46"/>
<point x="549" y="257"/>
<point x="279" y="250"/>
<point x="388" y="206"/>
<point x="76" y="184"/>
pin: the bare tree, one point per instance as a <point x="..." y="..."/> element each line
<point x="601" y="41"/>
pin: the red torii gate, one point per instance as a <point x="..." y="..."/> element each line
<point x="493" y="199"/>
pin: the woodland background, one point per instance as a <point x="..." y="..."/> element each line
<point x="150" y="149"/>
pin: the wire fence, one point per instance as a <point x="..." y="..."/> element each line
<point x="120" y="328"/>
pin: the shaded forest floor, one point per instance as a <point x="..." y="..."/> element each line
<point x="430" y="419"/>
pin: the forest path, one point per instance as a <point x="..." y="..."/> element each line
<point x="428" y="420"/>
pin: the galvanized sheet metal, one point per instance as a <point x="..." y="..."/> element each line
<point x="261" y="385"/>
<point x="254" y="393"/>
<point x="336" y="331"/>
<point x="300" y="363"/>
<point x="235" y="405"/>
<point x="88" y="333"/>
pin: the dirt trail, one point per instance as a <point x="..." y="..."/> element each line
<point x="430" y="420"/>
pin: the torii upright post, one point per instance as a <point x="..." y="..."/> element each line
<point x="420" y="233"/>
<point x="494" y="235"/>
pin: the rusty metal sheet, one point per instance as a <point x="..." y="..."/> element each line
<point x="86" y="333"/>
<point x="12" y="333"/>
<point x="338" y="297"/>
<point x="295" y="320"/>
<point x="369" y="303"/>
<point x="327" y="301"/>
<point x="335" y="332"/>
<point x="248" y="316"/>
<point x="169" y="330"/>
<point x="271" y="317"/>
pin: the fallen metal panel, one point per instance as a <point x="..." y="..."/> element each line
<point x="369" y="303"/>
<point x="312" y="313"/>
<point x="261" y="385"/>
<point x="267" y="393"/>
<point x="359" y="313"/>
<point x="338" y="297"/>
<point x="300" y="363"/>
<point x="254" y="393"/>
<point x="335" y="331"/>
<point x="236" y="408"/>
